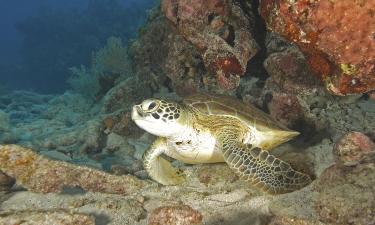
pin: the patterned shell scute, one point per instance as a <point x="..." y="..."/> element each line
<point x="225" y="105"/>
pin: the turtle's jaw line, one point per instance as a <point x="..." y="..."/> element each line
<point x="137" y="113"/>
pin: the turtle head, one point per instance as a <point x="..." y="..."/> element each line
<point x="159" y="117"/>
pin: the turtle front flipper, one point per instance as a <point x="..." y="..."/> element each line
<point x="159" y="168"/>
<point x="258" y="166"/>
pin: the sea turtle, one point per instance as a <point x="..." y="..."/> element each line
<point x="207" y="128"/>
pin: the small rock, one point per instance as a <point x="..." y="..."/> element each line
<point x="175" y="215"/>
<point x="142" y="174"/>
<point x="354" y="148"/>
<point x="6" y="182"/>
<point x="56" y="155"/>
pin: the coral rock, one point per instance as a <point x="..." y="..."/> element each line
<point x="220" y="31"/>
<point x="285" y="108"/>
<point x="175" y="215"/>
<point x="346" y="195"/>
<point x="372" y="95"/>
<point x="354" y="148"/>
<point x="39" y="174"/>
<point x="288" y="69"/>
<point x="45" y="218"/>
<point x="6" y="182"/>
<point x="339" y="47"/>
<point x="291" y="221"/>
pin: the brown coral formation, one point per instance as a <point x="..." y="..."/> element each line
<point x="346" y="195"/>
<point x="220" y="30"/>
<point x="288" y="69"/>
<point x="286" y="109"/>
<point x="339" y="46"/>
<point x="354" y="148"/>
<point x="175" y="215"/>
<point x="45" y="218"/>
<point x="39" y="174"/>
<point x="347" y="189"/>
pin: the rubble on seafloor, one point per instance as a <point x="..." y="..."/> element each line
<point x="74" y="139"/>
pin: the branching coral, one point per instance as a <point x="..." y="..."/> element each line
<point x="108" y="63"/>
<point x="113" y="58"/>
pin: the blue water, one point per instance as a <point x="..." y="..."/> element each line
<point x="41" y="39"/>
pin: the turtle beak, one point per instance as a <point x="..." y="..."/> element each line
<point x="137" y="112"/>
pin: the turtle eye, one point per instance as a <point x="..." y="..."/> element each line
<point x="152" y="106"/>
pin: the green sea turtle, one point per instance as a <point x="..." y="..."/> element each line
<point x="208" y="128"/>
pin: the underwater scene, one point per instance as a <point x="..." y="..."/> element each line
<point x="180" y="112"/>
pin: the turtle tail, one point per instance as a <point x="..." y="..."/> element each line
<point x="263" y="170"/>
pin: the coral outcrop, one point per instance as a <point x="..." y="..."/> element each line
<point x="354" y="148"/>
<point x="220" y="30"/>
<point x="45" y="218"/>
<point x="346" y="195"/>
<point x="339" y="47"/>
<point x="173" y="215"/>
<point x="39" y="174"/>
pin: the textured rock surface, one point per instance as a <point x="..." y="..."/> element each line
<point x="6" y="182"/>
<point x="288" y="69"/>
<point x="221" y="32"/>
<point x="39" y="174"/>
<point x="354" y="148"/>
<point x="175" y="215"/>
<point x="286" y="109"/>
<point x="109" y="209"/>
<point x="291" y="221"/>
<point x="346" y="195"/>
<point x="329" y="40"/>
<point x="45" y="218"/>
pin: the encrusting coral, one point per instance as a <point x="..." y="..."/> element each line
<point x="339" y="47"/>
<point x="220" y="30"/>
<point x="39" y="174"/>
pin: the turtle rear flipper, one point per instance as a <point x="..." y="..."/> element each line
<point x="259" y="167"/>
<point x="159" y="168"/>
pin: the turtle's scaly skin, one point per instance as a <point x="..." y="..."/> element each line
<point x="253" y="164"/>
<point x="192" y="135"/>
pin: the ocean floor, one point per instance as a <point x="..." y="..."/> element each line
<point x="70" y="129"/>
<point x="76" y="157"/>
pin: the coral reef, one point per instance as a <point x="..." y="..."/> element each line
<point x="109" y="65"/>
<point x="175" y="215"/>
<point x="175" y="55"/>
<point x="39" y="174"/>
<point x="220" y="30"/>
<point x="163" y="59"/>
<point x="329" y="40"/>
<point x="45" y="218"/>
